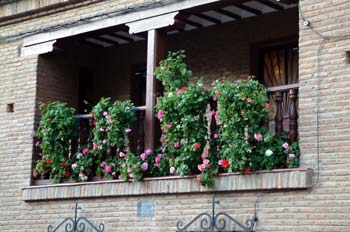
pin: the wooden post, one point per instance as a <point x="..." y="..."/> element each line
<point x="293" y="115"/>
<point x="279" y="113"/>
<point x="155" y="52"/>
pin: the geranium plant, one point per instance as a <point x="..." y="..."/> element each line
<point x="56" y="130"/>
<point x="181" y="112"/>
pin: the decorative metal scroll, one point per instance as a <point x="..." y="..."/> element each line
<point x="76" y="224"/>
<point x="220" y="222"/>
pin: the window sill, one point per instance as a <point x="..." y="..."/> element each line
<point x="279" y="179"/>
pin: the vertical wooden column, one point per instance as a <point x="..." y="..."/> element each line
<point x="293" y="115"/>
<point x="155" y="52"/>
<point x="279" y="113"/>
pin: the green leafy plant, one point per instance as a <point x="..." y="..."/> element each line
<point x="56" y="130"/>
<point x="247" y="145"/>
<point x="181" y="112"/>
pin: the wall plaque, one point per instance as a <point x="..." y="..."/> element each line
<point x="145" y="208"/>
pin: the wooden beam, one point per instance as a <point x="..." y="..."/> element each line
<point x="289" y="2"/>
<point x="208" y="18"/>
<point x="155" y="52"/>
<point x="92" y="44"/>
<point x="229" y="14"/>
<point x="248" y="9"/>
<point x="183" y="17"/>
<point x="122" y="37"/>
<point x="271" y="4"/>
<point x="106" y="40"/>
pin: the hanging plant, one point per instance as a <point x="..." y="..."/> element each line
<point x="181" y="112"/>
<point x="56" y="130"/>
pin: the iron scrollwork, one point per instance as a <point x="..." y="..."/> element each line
<point x="216" y="222"/>
<point x="76" y="224"/>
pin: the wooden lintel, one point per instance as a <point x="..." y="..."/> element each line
<point x="228" y="14"/>
<point x="152" y="23"/>
<point x="271" y="4"/>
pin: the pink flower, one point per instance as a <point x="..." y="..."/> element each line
<point x="104" y="141"/>
<point x="215" y="98"/>
<point x="285" y="145"/>
<point x="291" y="156"/>
<point x="205" y="155"/>
<point x="216" y="136"/>
<point x="74" y="166"/>
<point x="201" y="167"/>
<point x="258" y="137"/>
<point x="102" y="129"/>
<point x="267" y="105"/>
<point x="121" y="154"/>
<point x="157" y="159"/>
<point x="169" y="126"/>
<point x="85" y="151"/>
<point x="217" y="118"/>
<point x="206" y="162"/>
<point x="249" y="100"/>
<point x="156" y="164"/>
<point x="148" y="152"/>
<point x="160" y="114"/>
<point x="172" y="170"/>
<point x="177" y="144"/>
<point x="144" y="166"/>
<point x="143" y="156"/>
<point x="102" y="164"/>
<point x="79" y="155"/>
<point x="162" y="140"/>
<point x="213" y="112"/>
<point x="105" y="113"/>
<point x="108" y="168"/>
<point x="95" y="146"/>
<point x="37" y="144"/>
<point x="129" y="170"/>
<point x="35" y="174"/>
<point x="128" y="130"/>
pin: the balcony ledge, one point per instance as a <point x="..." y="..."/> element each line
<point x="279" y="179"/>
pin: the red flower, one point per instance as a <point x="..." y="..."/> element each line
<point x="48" y="161"/>
<point x="183" y="89"/>
<point x="94" y="123"/>
<point x="92" y="114"/>
<point x="247" y="171"/>
<point x="225" y="163"/>
<point x="196" y="146"/>
<point x="66" y="174"/>
<point x="64" y="165"/>
<point x="267" y="105"/>
<point x="249" y="100"/>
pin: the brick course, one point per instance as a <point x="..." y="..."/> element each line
<point x="325" y="207"/>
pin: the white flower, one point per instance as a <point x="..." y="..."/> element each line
<point x="268" y="152"/>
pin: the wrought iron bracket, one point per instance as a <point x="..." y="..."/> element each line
<point x="76" y="224"/>
<point x="216" y="222"/>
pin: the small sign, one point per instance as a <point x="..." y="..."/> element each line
<point x="145" y="208"/>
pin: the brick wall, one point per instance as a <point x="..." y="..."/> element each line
<point x="325" y="207"/>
